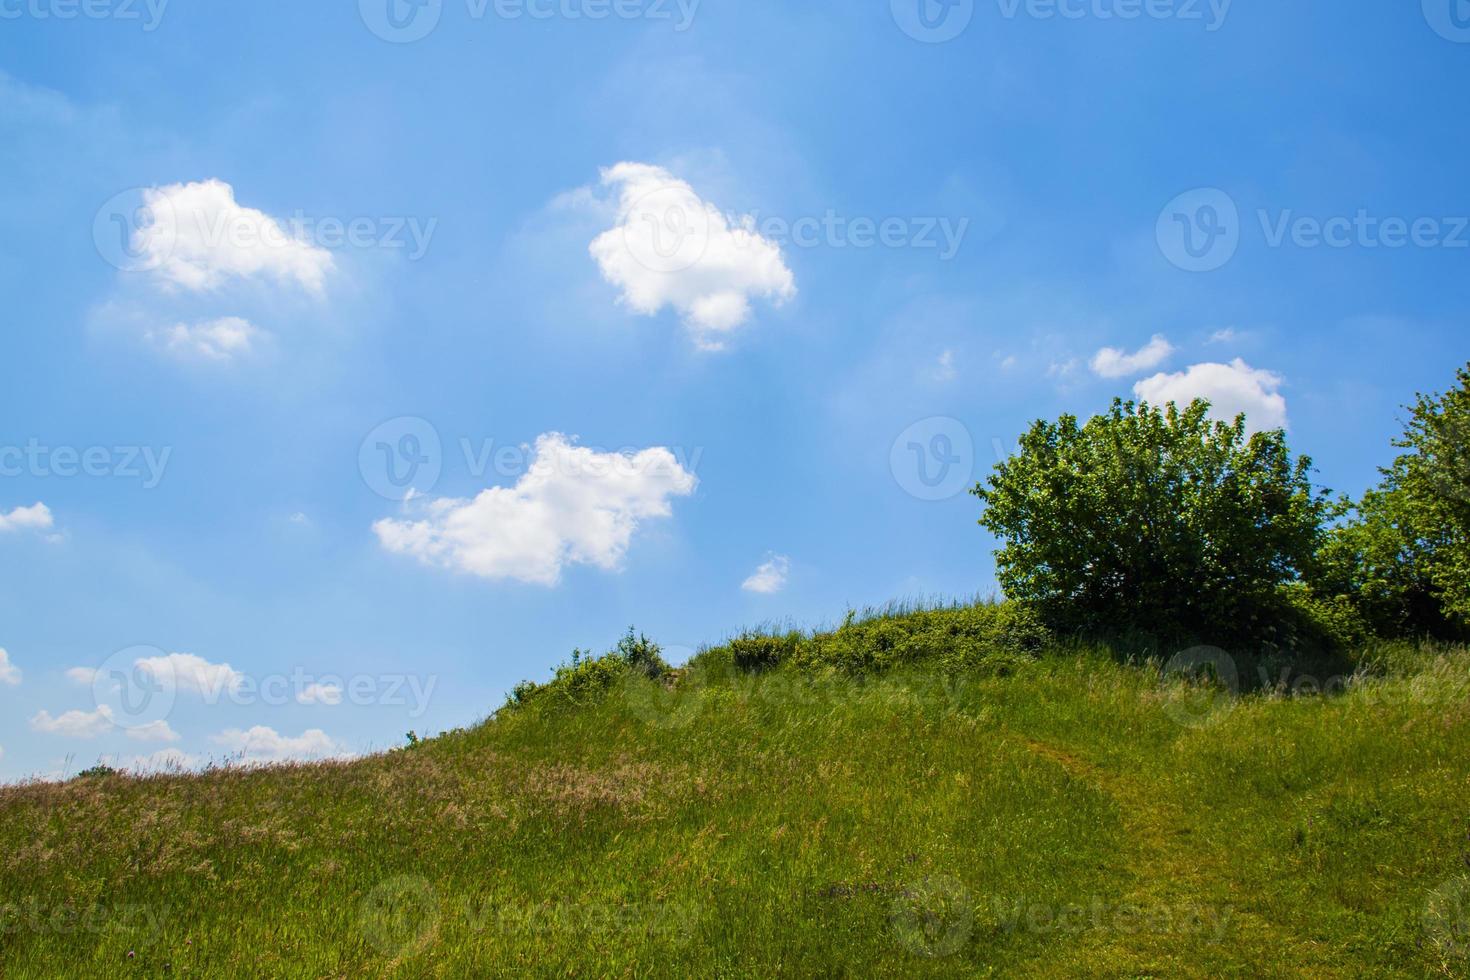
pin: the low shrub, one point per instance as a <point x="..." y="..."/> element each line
<point x="755" y="653"/>
<point x="643" y="656"/>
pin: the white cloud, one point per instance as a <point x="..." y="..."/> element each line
<point x="671" y="248"/>
<point x="209" y="340"/>
<point x="573" y="506"/>
<point x="75" y="724"/>
<point x="1062" y="369"/>
<point x="37" y="517"/>
<point x="200" y="238"/>
<point x="154" y="731"/>
<point x="192" y="674"/>
<point x="85" y="676"/>
<point x="1227" y="336"/>
<point x="262" y="744"/>
<point x="320" y="694"/>
<point x="1113" y="362"/>
<point x="944" y="370"/>
<point x="9" y="673"/>
<point x="770" y="577"/>
<point x="1229" y="388"/>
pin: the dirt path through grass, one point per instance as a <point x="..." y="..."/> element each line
<point x="1174" y="873"/>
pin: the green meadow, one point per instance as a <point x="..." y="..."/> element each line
<point x="941" y="792"/>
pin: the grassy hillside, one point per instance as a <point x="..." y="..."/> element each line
<point x="930" y="794"/>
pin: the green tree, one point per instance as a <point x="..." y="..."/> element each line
<point x="1404" y="558"/>
<point x="1154" y="520"/>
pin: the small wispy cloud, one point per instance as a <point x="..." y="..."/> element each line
<point x="944" y="369"/>
<point x="1113" y="362"/>
<point x="36" y="517"/>
<point x="9" y="672"/>
<point x="770" y="577"/>
<point x="222" y="339"/>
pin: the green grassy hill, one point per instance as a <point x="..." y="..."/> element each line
<point x="941" y="793"/>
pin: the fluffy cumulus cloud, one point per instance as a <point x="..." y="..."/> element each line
<point x="671" y="248"/>
<point x="36" y="517"/>
<point x="153" y="731"/>
<point x="200" y="238"/>
<point x="1113" y="362"/>
<point x="262" y="744"/>
<point x="1229" y="388"/>
<point x="574" y="505"/>
<point x="95" y="724"/>
<point x="191" y="674"/>
<point x="770" y="577"/>
<point x="74" y="724"/>
<point x="9" y="672"/>
<point x="209" y="340"/>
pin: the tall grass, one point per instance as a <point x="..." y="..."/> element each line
<point x="873" y="803"/>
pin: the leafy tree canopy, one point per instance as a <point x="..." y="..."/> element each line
<point x="1405" y="556"/>
<point x="1155" y="520"/>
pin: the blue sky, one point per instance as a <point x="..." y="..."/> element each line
<point x="876" y="230"/>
